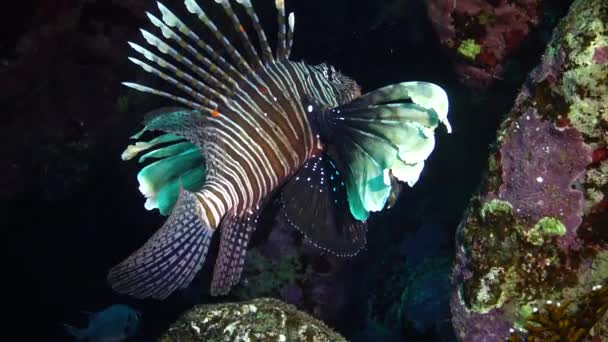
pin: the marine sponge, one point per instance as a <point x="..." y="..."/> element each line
<point x="540" y="166"/>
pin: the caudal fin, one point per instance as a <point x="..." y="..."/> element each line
<point x="171" y="257"/>
<point x="383" y="134"/>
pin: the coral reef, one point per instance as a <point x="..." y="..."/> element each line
<point x="531" y="257"/>
<point x="561" y="321"/>
<point x="408" y="296"/>
<point x="257" y="320"/>
<point x="421" y="306"/>
<point x="540" y="185"/>
<point x="287" y="267"/>
<point x="482" y="34"/>
<point x="265" y="276"/>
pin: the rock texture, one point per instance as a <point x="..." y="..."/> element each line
<point x="532" y="250"/>
<point x="257" y="320"/>
<point x="481" y="35"/>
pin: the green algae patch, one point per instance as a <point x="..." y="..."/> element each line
<point x="524" y="312"/>
<point x="546" y="227"/>
<point x="469" y="48"/>
<point x="264" y="277"/>
<point x="493" y="239"/>
<point x="515" y="263"/>
<point x="550" y="226"/>
<point x="496" y="209"/>
<point x="489" y="293"/>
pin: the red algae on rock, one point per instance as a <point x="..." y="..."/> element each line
<point x="482" y="34"/>
<point x="600" y="55"/>
<point x="541" y="165"/>
<point x="536" y="236"/>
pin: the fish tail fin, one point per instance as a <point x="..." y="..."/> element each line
<point x="385" y="134"/>
<point x="170" y="259"/>
<point x="77" y="334"/>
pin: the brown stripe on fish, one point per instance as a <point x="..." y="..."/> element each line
<point x="258" y="143"/>
<point x="171" y="20"/>
<point x="281" y="44"/>
<point x="251" y="172"/>
<point x="231" y="136"/>
<point x="235" y="55"/>
<point x="266" y="109"/>
<point x="282" y="84"/>
<point x="295" y="97"/>
<point x="210" y="78"/>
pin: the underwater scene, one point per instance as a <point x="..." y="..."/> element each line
<point x="305" y="170"/>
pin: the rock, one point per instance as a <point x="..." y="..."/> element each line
<point x="533" y="247"/>
<point x="406" y="291"/>
<point x="481" y="35"/>
<point x="263" y="319"/>
<point x="290" y="268"/>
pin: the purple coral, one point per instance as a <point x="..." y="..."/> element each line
<point x="550" y="68"/>
<point x="476" y="327"/>
<point x="540" y="166"/>
<point x="536" y="177"/>
<point x="497" y="26"/>
<point x="600" y="55"/>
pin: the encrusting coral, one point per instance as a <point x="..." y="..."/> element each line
<point x="532" y="257"/>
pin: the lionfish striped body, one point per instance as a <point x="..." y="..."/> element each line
<point x="248" y="126"/>
<point x="261" y="138"/>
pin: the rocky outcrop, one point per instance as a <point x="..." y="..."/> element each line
<point x="532" y="250"/>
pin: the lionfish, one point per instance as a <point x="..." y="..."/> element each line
<point x="255" y="126"/>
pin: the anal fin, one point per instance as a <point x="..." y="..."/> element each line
<point x="236" y="231"/>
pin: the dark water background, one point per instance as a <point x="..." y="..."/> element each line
<point x="71" y="208"/>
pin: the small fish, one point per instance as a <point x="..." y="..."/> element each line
<point x="113" y="324"/>
<point x="255" y="126"/>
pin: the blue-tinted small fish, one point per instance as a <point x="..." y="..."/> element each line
<point x="113" y="324"/>
<point x="255" y="126"/>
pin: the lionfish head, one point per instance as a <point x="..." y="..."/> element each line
<point x="340" y="88"/>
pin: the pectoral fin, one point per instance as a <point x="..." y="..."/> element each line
<point x="315" y="203"/>
<point x="170" y="259"/>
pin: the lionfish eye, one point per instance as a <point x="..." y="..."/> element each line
<point x="309" y="105"/>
